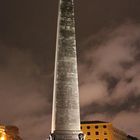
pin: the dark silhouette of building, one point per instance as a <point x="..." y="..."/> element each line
<point x="132" y="138"/>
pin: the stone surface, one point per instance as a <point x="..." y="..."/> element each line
<point x="66" y="114"/>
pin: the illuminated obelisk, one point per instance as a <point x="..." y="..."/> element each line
<point x="66" y="112"/>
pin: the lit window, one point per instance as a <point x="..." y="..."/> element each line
<point x="88" y="133"/>
<point x="88" y="127"/>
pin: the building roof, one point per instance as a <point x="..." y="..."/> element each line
<point x="92" y="122"/>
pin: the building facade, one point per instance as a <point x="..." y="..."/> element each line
<point x="98" y="130"/>
<point x="2" y="132"/>
<point x="9" y="133"/>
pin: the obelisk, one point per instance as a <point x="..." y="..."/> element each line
<point x="66" y="112"/>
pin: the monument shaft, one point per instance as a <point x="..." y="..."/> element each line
<point x="66" y="114"/>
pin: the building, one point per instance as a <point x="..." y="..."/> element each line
<point x="132" y="138"/>
<point x="99" y="130"/>
<point x="2" y="132"/>
<point x="9" y="133"/>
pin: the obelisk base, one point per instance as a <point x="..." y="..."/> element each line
<point x="66" y="135"/>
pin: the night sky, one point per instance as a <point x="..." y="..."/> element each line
<point x="108" y="46"/>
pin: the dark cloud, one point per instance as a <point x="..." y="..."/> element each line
<point x="109" y="86"/>
<point x="130" y="104"/>
<point x="25" y="101"/>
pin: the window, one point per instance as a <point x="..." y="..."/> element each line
<point x="81" y="127"/>
<point x="104" y="126"/>
<point x="88" y="127"/>
<point x="105" y="133"/>
<point x="96" y="126"/>
<point x="88" y="133"/>
<point x="106" y="139"/>
<point x="97" y="133"/>
<point x="97" y="139"/>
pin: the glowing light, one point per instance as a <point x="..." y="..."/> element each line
<point x="2" y="138"/>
